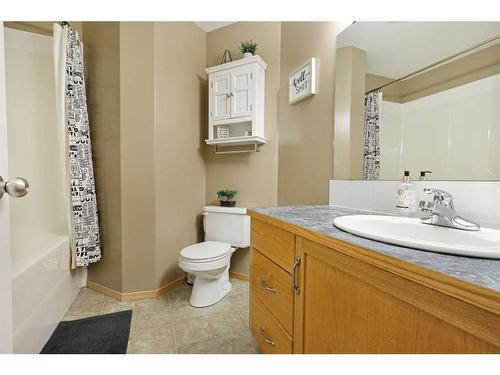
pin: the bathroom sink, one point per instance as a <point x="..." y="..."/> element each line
<point x="410" y="232"/>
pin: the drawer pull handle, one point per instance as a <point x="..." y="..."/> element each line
<point x="266" y="287"/>
<point x="266" y="339"/>
<point x="295" y="285"/>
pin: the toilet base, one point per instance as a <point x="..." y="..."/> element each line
<point x="208" y="289"/>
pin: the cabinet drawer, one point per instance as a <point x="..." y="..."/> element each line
<point x="271" y="337"/>
<point x="273" y="286"/>
<point x="275" y="243"/>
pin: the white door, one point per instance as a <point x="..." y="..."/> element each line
<point x="241" y="92"/>
<point x="10" y="186"/>
<point x="220" y="94"/>
<point x="5" y="261"/>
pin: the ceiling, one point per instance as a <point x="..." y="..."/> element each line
<point x="395" y="49"/>
<point x="211" y="26"/>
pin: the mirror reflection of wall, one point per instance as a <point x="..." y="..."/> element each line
<point x="401" y="102"/>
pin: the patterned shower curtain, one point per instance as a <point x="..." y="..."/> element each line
<point x="81" y="202"/>
<point x="371" y="161"/>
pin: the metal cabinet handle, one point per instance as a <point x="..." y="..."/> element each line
<point x="266" y="287"/>
<point x="266" y="339"/>
<point x="295" y="285"/>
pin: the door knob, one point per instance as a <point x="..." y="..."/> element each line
<point x="16" y="187"/>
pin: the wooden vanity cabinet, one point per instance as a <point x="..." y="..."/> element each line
<point x="343" y="301"/>
<point x="271" y="296"/>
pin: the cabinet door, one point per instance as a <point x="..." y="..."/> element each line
<point x="220" y="95"/>
<point x="348" y="306"/>
<point x="241" y="92"/>
<point x="270" y="336"/>
<point x="272" y="286"/>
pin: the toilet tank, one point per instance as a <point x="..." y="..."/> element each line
<point x="227" y="224"/>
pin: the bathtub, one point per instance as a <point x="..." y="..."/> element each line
<point x="43" y="288"/>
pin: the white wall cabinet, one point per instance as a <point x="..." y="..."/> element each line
<point x="237" y="102"/>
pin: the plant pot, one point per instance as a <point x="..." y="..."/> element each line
<point x="248" y="54"/>
<point x="228" y="203"/>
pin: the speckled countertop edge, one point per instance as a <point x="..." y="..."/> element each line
<point x="482" y="272"/>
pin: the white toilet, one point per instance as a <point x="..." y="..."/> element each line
<point x="226" y="229"/>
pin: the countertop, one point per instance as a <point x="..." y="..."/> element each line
<point x="482" y="272"/>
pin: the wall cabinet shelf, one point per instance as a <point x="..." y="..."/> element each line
<point x="234" y="141"/>
<point x="236" y="99"/>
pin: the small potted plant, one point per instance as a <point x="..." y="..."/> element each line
<point x="248" y="48"/>
<point x="226" y="196"/>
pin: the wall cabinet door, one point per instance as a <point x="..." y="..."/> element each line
<point x="348" y="306"/>
<point x="241" y="92"/>
<point x="221" y="96"/>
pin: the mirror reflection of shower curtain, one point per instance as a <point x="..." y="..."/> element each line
<point x="75" y="148"/>
<point x="371" y="160"/>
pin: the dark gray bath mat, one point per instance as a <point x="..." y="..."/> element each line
<point x="103" y="334"/>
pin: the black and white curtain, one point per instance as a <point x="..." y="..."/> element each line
<point x="81" y="202"/>
<point x="371" y="161"/>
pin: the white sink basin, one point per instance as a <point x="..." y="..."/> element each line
<point x="411" y="232"/>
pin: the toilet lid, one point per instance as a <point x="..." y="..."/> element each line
<point x="205" y="250"/>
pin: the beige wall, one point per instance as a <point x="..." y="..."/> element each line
<point x="180" y="126"/>
<point x="148" y="96"/>
<point x="295" y="167"/>
<point x="102" y="67"/>
<point x="469" y="68"/>
<point x="147" y="93"/>
<point x="350" y="75"/>
<point x="391" y="92"/>
<point x="40" y="27"/>
<point x="137" y="105"/>
<point x="254" y="175"/>
<point x="306" y="128"/>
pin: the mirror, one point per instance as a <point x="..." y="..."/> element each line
<point x="418" y="96"/>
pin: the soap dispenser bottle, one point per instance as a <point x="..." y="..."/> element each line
<point x="406" y="196"/>
<point x="421" y="196"/>
<point x="423" y="175"/>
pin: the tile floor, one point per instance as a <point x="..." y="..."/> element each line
<point x="168" y="324"/>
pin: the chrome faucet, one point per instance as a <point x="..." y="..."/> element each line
<point x="442" y="211"/>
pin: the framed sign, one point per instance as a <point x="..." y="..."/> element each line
<point x="302" y="82"/>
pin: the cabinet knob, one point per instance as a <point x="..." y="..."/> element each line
<point x="266" y="339"/>
<point x="266" y="287"/>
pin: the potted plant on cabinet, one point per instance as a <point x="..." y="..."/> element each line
<point x="226" y="196"/>
<point x="248" y="48"/>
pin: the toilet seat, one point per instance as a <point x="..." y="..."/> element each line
<point x="208" y="251"/>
